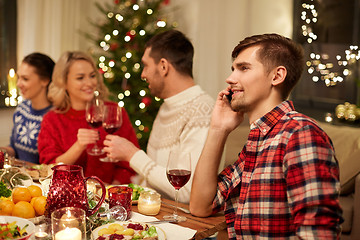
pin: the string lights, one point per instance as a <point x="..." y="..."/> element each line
<point x="319" y="65"/>
<point x="128" y="25"/>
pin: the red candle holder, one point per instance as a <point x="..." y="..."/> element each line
<point x="121" y="195"/>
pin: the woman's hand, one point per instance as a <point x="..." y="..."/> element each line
<point x="87" y="136"/>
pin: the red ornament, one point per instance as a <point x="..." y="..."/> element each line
<point x="146" y="101"/>
<point x="166" y="2"/>
<point x="146" y="129"/>
<point x="130" y="35"/>
<point x="101" y="71"/>
<point x="116" y="1"/>
<point x="114" y="46"/>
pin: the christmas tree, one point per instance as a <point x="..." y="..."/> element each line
<point x="120" y="45"/>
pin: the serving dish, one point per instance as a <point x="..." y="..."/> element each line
<point x="95" y="233"/>
<point x="21" y="222"/>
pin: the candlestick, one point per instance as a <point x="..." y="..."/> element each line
<point x="68" y="234"/>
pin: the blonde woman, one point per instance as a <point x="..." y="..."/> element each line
<point x="65" y="134"/>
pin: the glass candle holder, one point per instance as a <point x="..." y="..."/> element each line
<point x="121" y="195"/>
<point x="68" y="223"/>
<point x="149" y="203"/>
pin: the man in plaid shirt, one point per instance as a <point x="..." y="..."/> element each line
<point x="285" y="183"/>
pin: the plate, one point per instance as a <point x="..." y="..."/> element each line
<point x="95" y="233"/>
<point x="21" y="222"/>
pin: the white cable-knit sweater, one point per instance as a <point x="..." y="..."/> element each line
<point x="182" y="122"/>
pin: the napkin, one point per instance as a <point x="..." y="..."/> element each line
<point x="172" y="231"/>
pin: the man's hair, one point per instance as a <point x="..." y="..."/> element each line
<point x="175" y="47"/>
<point x="276" y="50"/>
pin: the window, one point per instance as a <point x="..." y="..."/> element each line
<point x="328" y="31"/>
<point x="7" y="46"/>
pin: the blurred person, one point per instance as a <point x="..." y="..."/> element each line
<point x="182" y="121"/>
<point x="285" y="183"/>
<point x="34" y="77"/>
<point x="65" y="134"/>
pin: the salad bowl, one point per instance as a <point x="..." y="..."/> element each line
<point x="15" y="228"/>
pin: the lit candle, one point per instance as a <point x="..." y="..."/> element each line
<point x="149" y="203"/>
<point x="12" y="78"/>
<point x="68" y="234"/>
<point x="41" y="236"/>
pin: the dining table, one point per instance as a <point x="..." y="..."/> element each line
<point x="202" y="227"/>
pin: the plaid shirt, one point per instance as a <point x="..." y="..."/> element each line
<point x="285" y="184"/>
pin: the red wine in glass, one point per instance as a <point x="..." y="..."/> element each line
<point x="178" y="177"/>
<point x="110" y="129"/>
<point x="111" y="122"/>
<point x="94" y="117"/>
<point x="95" y="124"/>
<point x="178" y="172"/>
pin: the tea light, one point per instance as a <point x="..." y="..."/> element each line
<point x="328" y="117"/>
<point x="68" y="234"/>
<point x="149" y="203"/>
<point x="41" y="236"/>
<point x="68" y="223"/>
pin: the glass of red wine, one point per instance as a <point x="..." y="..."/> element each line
<point x="94" y="116"/>
<point x="178" y="172"/>
<point x="112" y="121"/>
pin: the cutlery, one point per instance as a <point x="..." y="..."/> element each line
<point x="180" y="208"/>
<point x="162" y="221"/>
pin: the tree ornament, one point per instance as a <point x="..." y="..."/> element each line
<point x="146" y="101"/>
<point x="129" y="27"/>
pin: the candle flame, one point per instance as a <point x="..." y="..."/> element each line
<point x="12" y="72"/>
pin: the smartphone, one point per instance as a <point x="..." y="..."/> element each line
<point x="229" y="96"/>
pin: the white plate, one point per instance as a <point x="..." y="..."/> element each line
<point x="95" y="235"/>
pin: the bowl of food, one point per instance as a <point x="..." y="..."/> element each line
<point x="15" y="228"/>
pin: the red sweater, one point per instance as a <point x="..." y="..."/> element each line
<point x="59" y="132"/>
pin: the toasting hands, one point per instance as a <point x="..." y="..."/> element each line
<point x="119" y="148"/>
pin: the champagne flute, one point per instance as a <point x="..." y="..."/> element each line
<point x="94" y="116"/>
<point x="112" y="121"/>
<point x="178" y="171"/>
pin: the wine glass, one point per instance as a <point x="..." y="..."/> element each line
<point x="94" y="116"/>
<point x="112" y="121"/>
<point x="178" y="171"/>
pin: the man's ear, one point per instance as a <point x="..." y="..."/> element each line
<point x="279" y="75"/>
<point x="164" y="66"/>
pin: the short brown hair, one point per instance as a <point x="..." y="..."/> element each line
<point x="276" y="50"/>
<point x="175" y="47"/>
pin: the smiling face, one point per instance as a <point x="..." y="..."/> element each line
<point x="30" y="84"/>
<point x="81" y="83"/>
<point x="152" y="75"/>
<point x="250" y="82"/>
